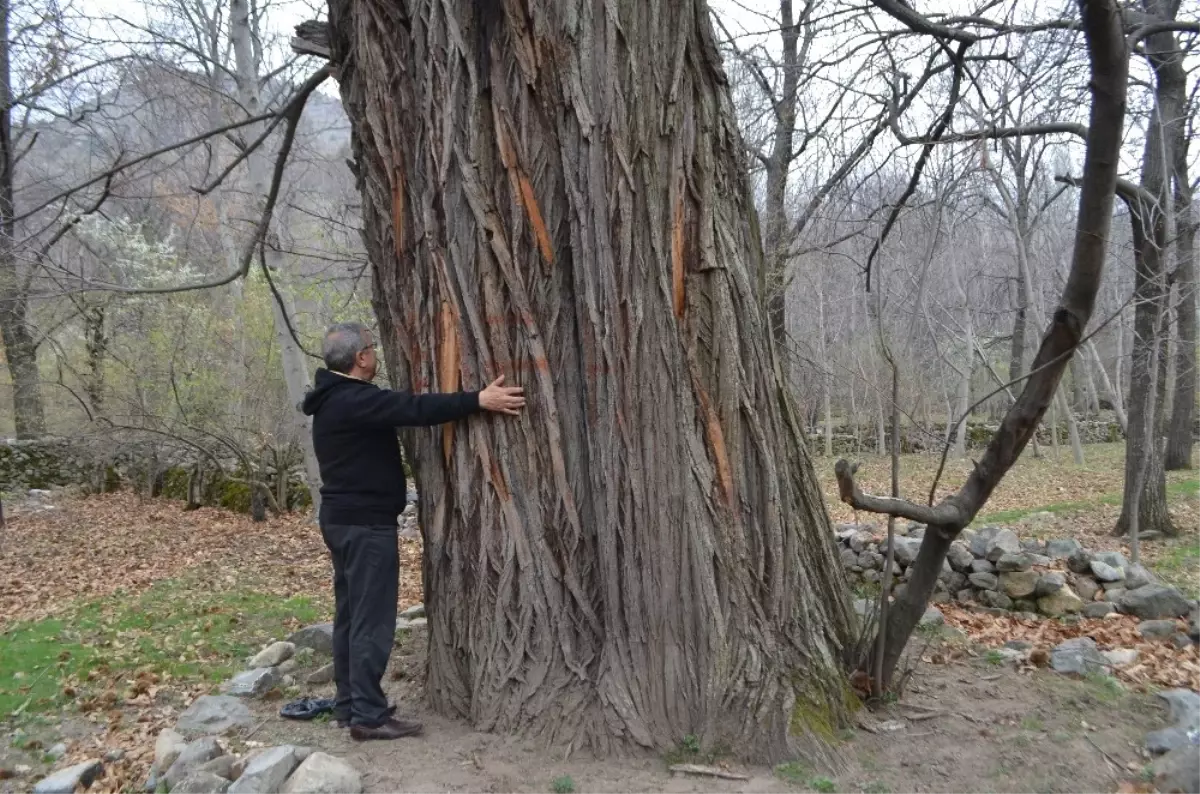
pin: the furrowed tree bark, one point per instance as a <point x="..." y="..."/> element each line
<point x="20" y="350"/>
<point x="1109" y="68"/>
<point x="554" y="192"/>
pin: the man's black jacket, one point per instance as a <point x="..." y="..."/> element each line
<point x="362" y="477"/>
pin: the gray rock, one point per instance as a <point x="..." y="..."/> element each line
<point x="848" y="558"/>
<point x="194" y="755"/>
<point x="415" y="623"/>
<point x="871" y="560"/>
<point x="871" y="575"/>
<point x="899" y="590"/>
<point x="221" y="766"/>
<point x="932" y="617"/>
<point x="943" y="597"/>
<point x="982" y="566"/>
<point x="966" y="596"/>
<point x="1178" y="771"/>
<point x="916" y="531"/>
<point x="1019" y="645"/>
<point x="1185" y="713"/>
<point x="1062" y="549"/>
<point x="252" y="683"/>
<point x="273" y="655"/>
<point x="946" y="572"/>
<point x="863" y="606"/>
<point x="984" y="581"/>
<point x="960" y="556"/>
<point x="1154" y="601"/>
<point x="1019" y="584"/>
<point x="978" y="542"/>
<point x="1137" y="576"/>
<point x="1014" y="562"/>
<point x="1077" y="656"/>
<point x="319" y="637"/>
<point x="906" y="550"/>
<point x="1085" y="586"/>
<point x="267" y="771"/>
<point x="57" y="751"/>
<point x="213" y="715"/>
<point x="1040" y="560"/>
<point x="65" y="781"/>
<point x="1181" y="641"/>
<point x="1113" y="595"/>
<point x="321" y="676"/>
<point x="1003" y="542"/>
<point x="1080" y="561"/>
<point x="113" y="756"/>
<point x="1119" y="657"/>
<point x="1114" y="559"/>
<point x="201" y="783"/>
<point x="956" y="582"/>
<point x="324" y="774"/>
<point x="857" y="541"/>
<point x="1064" y="602"/>
<point x="1193" y="630"/>
<point x="1049" y="584"/>
<point x="1032" y="545"/>
<point x="1097" y="609"/>
<point x="288" y="667"/>
<point x="995" y="600"/>
<point x="1105" y="572"/>
<point x="1156" y="629"/>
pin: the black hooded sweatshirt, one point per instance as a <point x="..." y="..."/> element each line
<point x="362" y="477"/>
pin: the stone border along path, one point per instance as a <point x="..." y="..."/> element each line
<point x="190" y="759"/>
<point x="996" y="569"/>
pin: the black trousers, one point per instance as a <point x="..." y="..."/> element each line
<point x="366" y="577"/>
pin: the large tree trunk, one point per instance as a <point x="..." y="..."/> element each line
<point x="553" y="192"/>
<point x="20" y="350"/>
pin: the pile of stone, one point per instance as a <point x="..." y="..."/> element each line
<point x="995" y="568"/>
<point x="202" y="766"/>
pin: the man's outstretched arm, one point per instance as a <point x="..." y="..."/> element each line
<point x="405" y="409"/>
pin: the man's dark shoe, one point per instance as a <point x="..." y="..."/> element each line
<point x="388" y="713"/>
<point x="392" y="729"/>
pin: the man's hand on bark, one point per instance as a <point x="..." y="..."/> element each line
<point x="502" y="399"/>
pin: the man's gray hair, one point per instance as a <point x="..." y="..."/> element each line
<point x="343" y="342"/>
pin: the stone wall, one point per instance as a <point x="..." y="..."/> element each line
<point x="100" y="464"/>
<point x="850" y="440"/>
<point x="995" y="568"/>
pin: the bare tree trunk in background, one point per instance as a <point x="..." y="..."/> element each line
<point x="1148" y="217"/>
<point x="1113" y="392"/>
<point x="556" y="192"/>
<point x="775" y="240"/>
<point x="1183" y="410"/>
<point x="95" y="341"/>
<point x="1109" y="63"/>
<point x="295" y="364"/>
<point x="20" y="350"/>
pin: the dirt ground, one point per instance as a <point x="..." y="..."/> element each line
<point x="967" y="726"/>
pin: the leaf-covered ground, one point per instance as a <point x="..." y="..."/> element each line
<point x="116" y="611"/>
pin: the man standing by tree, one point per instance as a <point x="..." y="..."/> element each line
<point x="362" y="493"/>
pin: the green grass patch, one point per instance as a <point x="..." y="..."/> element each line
<point x="823" y="785"/>
<point x="1179" y="565"/>
<point x="563" y="785"/>
<point x="1185" y="487"/>
<point x="1104" y="688"/>
<point x="1032" y="723"/>
<point x="792" y="772"/>
<point x="177" y="630"/>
